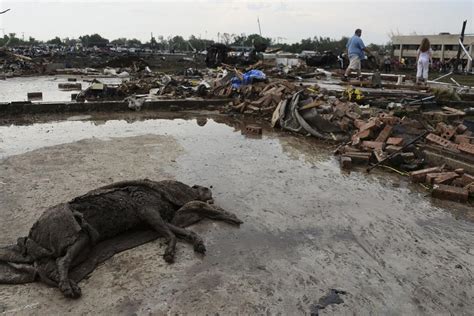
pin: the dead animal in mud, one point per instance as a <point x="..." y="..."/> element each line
<point x="70" y="239"/>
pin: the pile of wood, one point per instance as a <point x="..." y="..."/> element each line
<point x="262" y="98"/>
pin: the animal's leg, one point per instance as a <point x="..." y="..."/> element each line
<point x="19" y="273"/>
<point x="12" y="253"/>
<point x="190" y="237"/>
<point x="194" y="211"/>
<point x="68" y="287"/>
<point x="153" y="218"/>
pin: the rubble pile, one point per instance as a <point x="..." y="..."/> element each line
<point x="262" y="98"/>
<point x="383" y="137"/>
<point x="17" y="65"/>
<point x="446" y="184"/>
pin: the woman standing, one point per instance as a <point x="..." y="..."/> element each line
<point x="423" y="60"/>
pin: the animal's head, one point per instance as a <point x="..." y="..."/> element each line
<point x="204" y="194"/>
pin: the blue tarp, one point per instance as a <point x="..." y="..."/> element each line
<point x="248" y="78"/>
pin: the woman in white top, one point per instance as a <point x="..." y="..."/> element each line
<point x="423" y="60"/>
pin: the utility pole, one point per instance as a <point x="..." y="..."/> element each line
<point x="259" y="28"/>
<point x="461" y="39"/>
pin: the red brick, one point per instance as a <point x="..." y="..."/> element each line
<point x="384" y="134"/>
<point x="359" y="157"/>
<point x="361" y="135"/>
<point x="366" y="126"/>
<point x="380" y="154"/>
<point x="389" y="120"/>
<point x="372" y="144"/>
<point x="391" y="149"/>
<point x="358" y="123"/>
<point x="470" y="188"/>
<point x="461" y="128"/>
<point x="420" y="175"/>
<point x="467" y="148"/>
<point x="466" y="179"/>
<point x="396" y="141"/>
<point x="440" y="141"/>
<point x="253" y="129"/>
<point x="370" y="125"/>
<point x="430" y="177"/>
<point x="446" y="178"/>
<point x="461" y="139"/>
<point x="447" y="192"/>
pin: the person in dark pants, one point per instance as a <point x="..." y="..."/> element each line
<point x="387" y="62"/>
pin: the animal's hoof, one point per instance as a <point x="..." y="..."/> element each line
<point x="168" y="257"/>
<point x="70" y="289"/>
<point x="200" y="248"/>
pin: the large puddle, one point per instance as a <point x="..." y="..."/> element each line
<point x="308" y="226"/>
<point x="16" y="89"/>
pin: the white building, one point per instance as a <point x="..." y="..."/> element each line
<point x="444" y="46"/>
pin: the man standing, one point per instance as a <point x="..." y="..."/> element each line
<point x="355" y="50"/>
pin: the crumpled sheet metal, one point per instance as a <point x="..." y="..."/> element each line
<point x="290" y="118"/>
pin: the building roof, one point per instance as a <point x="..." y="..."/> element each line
<point x="447" y="39"/>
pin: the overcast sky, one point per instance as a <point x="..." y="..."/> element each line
<point x="288" y="20"/>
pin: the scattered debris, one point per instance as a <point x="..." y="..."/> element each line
<point x="332" y="298"/>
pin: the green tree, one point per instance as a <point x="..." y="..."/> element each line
<point x="134" y="43"/>
<point x="122" y="41"/>
<point x="93" y="40"/>
<point x="55" y="41"/>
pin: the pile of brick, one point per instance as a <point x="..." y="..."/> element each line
<point x="455" y="185"/>
<point x="262" y="98"/>
<point x="380" y="136"/>
<point x="456" y="139"/>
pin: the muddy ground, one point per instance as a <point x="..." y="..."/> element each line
<point x="308" y="226"/>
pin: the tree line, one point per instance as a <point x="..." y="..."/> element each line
<point x="193" y="43"/>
